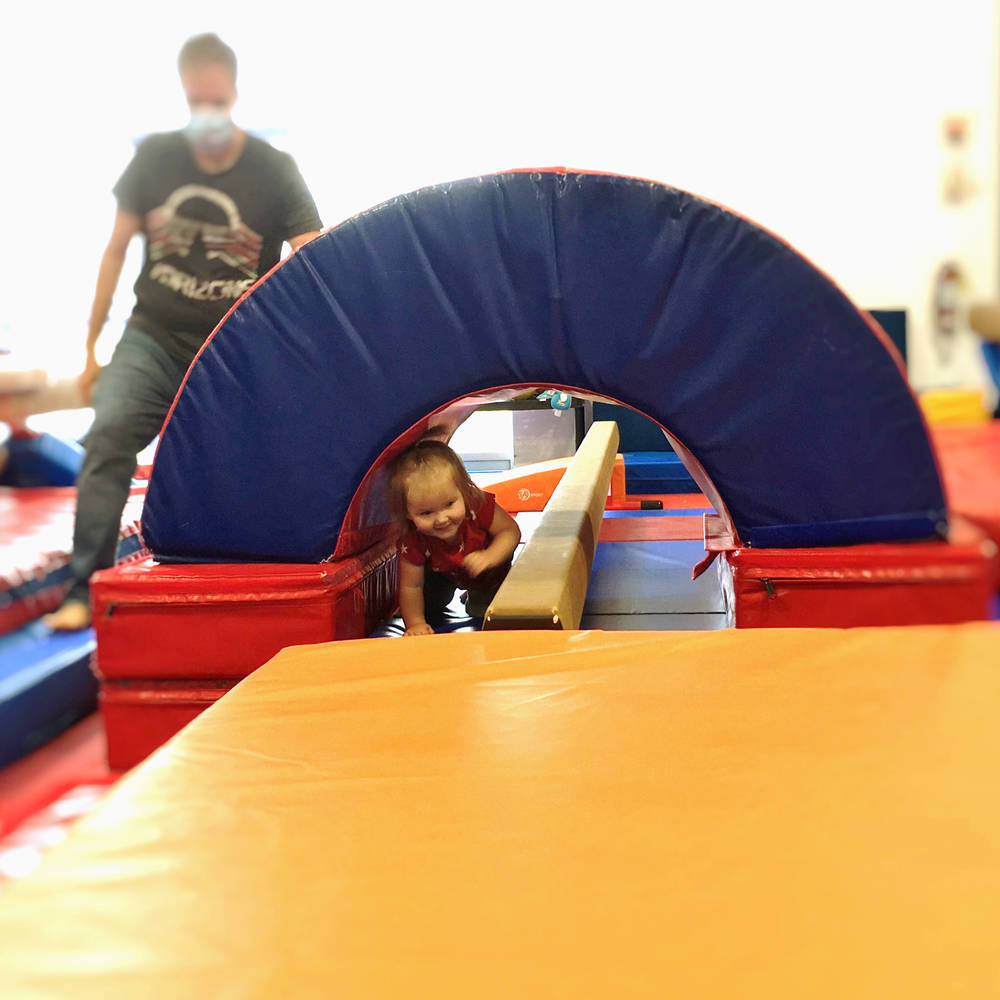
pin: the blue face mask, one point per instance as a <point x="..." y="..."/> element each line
<point x="210" y="130"/>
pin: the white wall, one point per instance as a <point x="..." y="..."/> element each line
<point x="822" y="123"/>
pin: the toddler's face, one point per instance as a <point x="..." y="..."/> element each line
<point x="435" y="504"/>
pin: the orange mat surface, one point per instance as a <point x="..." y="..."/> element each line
<point x="772" y="813"/>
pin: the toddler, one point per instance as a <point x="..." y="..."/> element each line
<point x="455" y="535"/>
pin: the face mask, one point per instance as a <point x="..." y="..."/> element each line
<point x="210" y="130"/>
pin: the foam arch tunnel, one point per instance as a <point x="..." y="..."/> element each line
<point x="783" y="398"/>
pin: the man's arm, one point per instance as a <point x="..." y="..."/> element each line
<point x="296" y="241"/>
<point x="126" y="225"/>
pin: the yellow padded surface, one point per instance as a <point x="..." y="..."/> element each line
<point x="953" y="406"/>
<point x="767" y="813"/>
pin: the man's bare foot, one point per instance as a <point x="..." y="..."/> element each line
<point x="71" y="617"/>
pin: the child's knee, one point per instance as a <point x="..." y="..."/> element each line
<point x="439" y="592"/>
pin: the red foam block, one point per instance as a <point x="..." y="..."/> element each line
<point x="140" y="716"/>
<point x="173" y="639"/>
<point x="907" y="583"/>
<point x="215" y="621"/>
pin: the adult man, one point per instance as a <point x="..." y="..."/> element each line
<point x="215" y="205"/>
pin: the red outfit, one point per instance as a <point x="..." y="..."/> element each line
<point x="446" y="557"/>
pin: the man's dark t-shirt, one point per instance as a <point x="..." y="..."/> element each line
<point x="208" y="236"/>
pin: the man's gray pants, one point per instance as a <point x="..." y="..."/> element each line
<point x="130" y="400"/>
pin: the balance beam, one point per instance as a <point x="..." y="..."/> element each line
<point x="984" y="319"/>
<point x="545" y="588"/>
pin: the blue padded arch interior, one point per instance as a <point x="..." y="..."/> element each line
<point x="789" y="398"/>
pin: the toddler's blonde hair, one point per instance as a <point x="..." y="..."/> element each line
<point x="424" y="457"/>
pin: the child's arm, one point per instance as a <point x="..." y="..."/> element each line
<point x="411" y="598"/>
<point x="504" y="536"/>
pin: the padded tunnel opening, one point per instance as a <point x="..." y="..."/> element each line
<point x="366" y="517"/>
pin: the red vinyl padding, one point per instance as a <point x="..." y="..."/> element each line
<point x="907" y="583"/>
<point x="969" y="457"/>
<point x="36" y="540"/>
<point x="172" y="639"/>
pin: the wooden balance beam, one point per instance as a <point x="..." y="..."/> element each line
<point x="546" y="586"/>
<point x="984" y="319"/>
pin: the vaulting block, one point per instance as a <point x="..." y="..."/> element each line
<point x="171" y="640"/>
<point x="902" y="583"/>
<point x="547" y="584"/>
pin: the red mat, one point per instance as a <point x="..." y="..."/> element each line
<point x="673" y="501"/>
<point x="885" y="583"/>
<point x="21" y="851"/>
<point x="662" y="528"/>
<point x="970" y="465"/>
<point x="75" y="757"/>
<point x="36" y="539"/>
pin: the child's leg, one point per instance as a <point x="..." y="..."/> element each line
<point x="439" y="592"/>
<point x="477" y="601"/>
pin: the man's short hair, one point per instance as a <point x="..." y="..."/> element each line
<point x="207" y="48"/>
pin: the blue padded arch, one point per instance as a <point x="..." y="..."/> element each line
<point x="788" y="397"/>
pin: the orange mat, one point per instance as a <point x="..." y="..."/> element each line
<point x="775" y="813"/>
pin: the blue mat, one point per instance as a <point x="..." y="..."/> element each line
<point x="642" y="578"/>
<point x="657" y="472"/>
<point x="764" y="373"/>
<point x="42" y="460"/>
<point x="46" y="685"/>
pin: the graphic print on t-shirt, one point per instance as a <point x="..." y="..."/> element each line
<point x="197" y="219"/>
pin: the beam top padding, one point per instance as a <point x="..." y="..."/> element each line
<point x="783" y="395"/>
<point x="547" y="585"/>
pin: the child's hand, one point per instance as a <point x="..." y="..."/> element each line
<point x="476" y="562"/>
<point x="422" y="629"/>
